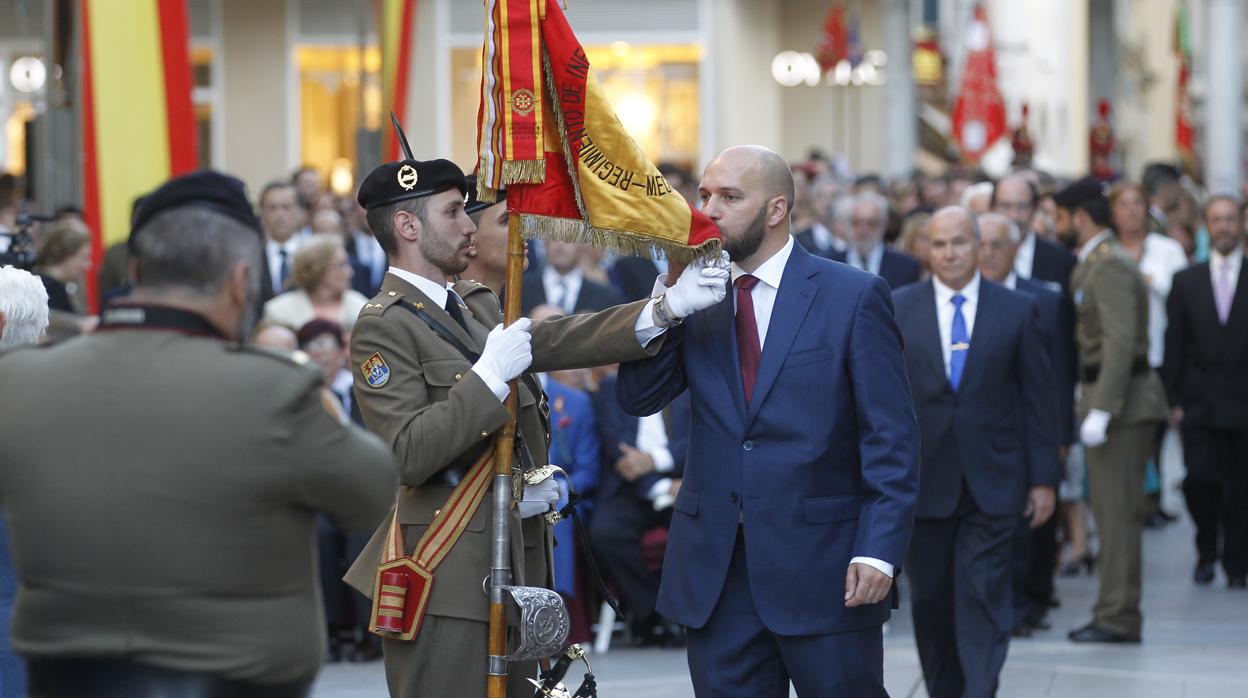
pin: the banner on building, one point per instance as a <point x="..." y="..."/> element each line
<point x="979" y="111"/>
<point x="138" y="122"/>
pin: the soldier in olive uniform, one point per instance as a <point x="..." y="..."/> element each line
<point x="163" y="524"/>
<point x="431" y="365"/>
<point x="1121" y="403"/>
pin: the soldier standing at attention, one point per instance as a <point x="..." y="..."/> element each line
<point x="432" y="364"/>
<point x="163" y="528"/>
<point x="1121" y="403"/>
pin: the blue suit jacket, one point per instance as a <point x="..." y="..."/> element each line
<point x="573" y="447"/>
<point x="999" y="430"/>
<point x="615" y="426"/>
<point x="1057" y="319"/>
<point x="821" y="466"/>
<point x="897" y="268"/>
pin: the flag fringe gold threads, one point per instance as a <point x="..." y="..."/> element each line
<point x="485" y="192"/>
<point x="524" y="171"/>
<point x="623" y="242"/>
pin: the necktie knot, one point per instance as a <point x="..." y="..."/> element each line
<point x="746" y="282"/>
<point x="957" y="300"/>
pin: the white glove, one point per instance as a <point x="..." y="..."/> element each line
<point x="508" y="351"/>
<point x="700" y="286"/>
<point x="1092" y="431"/>
<point x="539" y="498"/>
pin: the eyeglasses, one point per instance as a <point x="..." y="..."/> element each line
<point x="1020" y="206"/>
<point x="865" y="222"/>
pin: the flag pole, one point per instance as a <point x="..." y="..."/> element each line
<point x="500" y="570"/>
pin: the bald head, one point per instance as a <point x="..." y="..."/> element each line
<point x="748" y="192"/>
<point x="952" y="246"/>
<point x="763" y="167"/>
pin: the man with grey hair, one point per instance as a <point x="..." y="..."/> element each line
<point x="166" y="547"/>
<point x="977" y="198"/>
<point x="23" y="319"/>
<point x="23" y="308"/>
<point x="1035" y="550"/>
<point x="983" y="393"/>
<point x="868" y="219"/>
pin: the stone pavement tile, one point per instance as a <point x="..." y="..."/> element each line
<point x="1090" y="685"/>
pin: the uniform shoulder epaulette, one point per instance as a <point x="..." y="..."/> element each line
<point x="467" y="287"/>
<point x="380" y="302"/>
<point x="294" y="359"/>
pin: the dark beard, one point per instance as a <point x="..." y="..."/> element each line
<point x="442" y="255"/>
<point x="751" y="238"/>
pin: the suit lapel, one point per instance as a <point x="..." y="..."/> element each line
<point x="929" y="331"/>
<point x="792" y="303"/>
<point x="981" y="335"/>
<point x="721" y="321"/>
<point x="1239" y="301"/>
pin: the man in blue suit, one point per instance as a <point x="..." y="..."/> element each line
<point x="1035" y="549"/>
<point x="803" y="455"/>
<point x="867" y="251"/>
<point x="984" y="394"/>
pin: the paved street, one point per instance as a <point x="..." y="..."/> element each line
<point x="1195" y="646"/>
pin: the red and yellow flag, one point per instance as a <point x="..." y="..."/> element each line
<point x="594" y="184"/>
<point x="395" y="18"/>
<point x="138" y="124"/>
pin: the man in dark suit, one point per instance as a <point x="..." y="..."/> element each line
<point x="1015" y="198"/>
<point x="984" y="396"/>
<point x="281" y="219"/>
<point x="561" y="283"/>
<point x="866" y="244"/>
<point x="632" y="277"/>
<point x="1035" y="549"/>
<point x="1206" y="376"/>
<point x="803" y="455"/>
<point x="642" y="461"/>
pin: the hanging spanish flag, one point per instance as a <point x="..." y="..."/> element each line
<point x="595" y="185"/>
<point x="138" y="125"/>
<point x="1184" y="142"/>
<point x="395" y="18"/>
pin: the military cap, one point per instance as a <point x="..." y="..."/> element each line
<point x="474" y="204"/>
<point x="1084" y="191"/>
<point x="409" y="179"/>
<point x="202" y="189"/>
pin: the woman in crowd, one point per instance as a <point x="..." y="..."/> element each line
<point x="322" y="277"/>
<point x="62" y="261"/>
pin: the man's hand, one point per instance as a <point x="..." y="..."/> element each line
<point x="1176" y="417"/>
<point x="1094" y="428"/>
<point x="699" y="286"/>
<point x="865" y="585"/>
<point x="1041" y="501"/>
<point x="633" y="463"/>
<point x="539" y="498"/>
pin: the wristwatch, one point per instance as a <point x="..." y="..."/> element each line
<point x="662" y="316"/>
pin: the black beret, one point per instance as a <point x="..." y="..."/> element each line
<point x="409" y="179"/>
<point x="1086" y="190"/>
<point x="474" y="204"/>
<point x="202" y="189"/>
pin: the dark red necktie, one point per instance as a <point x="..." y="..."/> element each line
<point x="748" y="347"/>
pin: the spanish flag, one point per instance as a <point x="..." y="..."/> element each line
<point x="138" y="125"/>
<point x="590" y="183"/>
<point x="395" y="19"/>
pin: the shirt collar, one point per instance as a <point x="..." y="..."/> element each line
<point x="771" y="271"/>
<point x="1091" y="244"/>
<point x="1234" y="259"/>
<point x="288" y="246"/>
<point x="435" y="291"/>
<point x="571" y="278"/>
<point x="944" y="294"/>
<point x="1011" y="281"/>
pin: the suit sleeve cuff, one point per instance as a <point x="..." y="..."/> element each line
<point x="877" y="564"/>
<point x="496" y="385"/>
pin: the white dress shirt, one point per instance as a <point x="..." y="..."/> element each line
<point x="652" y="441"/>
<point x="273" y="253"/>
<point x="1161" y="258"/>
<point x="1233" y="262"/>
<point x="1011" y="281"/>
<point x="562" y="290"/>
<point x="644" y="328"/>
<point x="763" y="295"/>
<point x="945" y="310"/>
<point x="874" y="258"/>
<point x="1025" y="258"/>
<point x="825" y="240"/>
